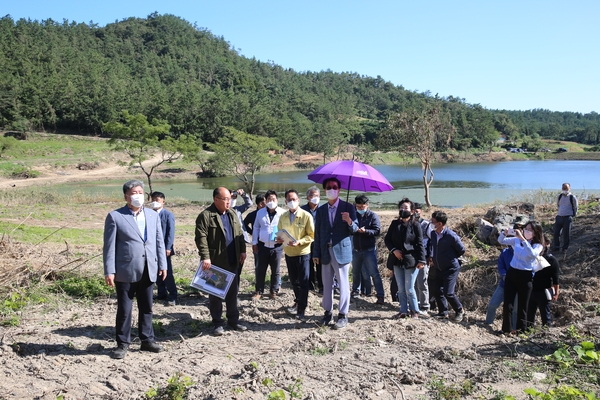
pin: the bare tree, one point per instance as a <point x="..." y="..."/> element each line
<point x="419" y="134"/>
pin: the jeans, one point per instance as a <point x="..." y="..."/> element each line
<point x="422" y="288"/>
<point x="562" y="229"/>
<point x="406" y="288"/>
<point x="364" y="267"/>
<point x="495" y="302"/>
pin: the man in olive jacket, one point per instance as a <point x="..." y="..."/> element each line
<point x="220" y="242"/>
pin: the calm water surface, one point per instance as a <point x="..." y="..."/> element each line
<point x="454" y="185"/>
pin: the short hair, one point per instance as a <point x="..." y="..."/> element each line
<point x="332" y="178"/>
<point x="217" y="190"/>
<point x="406" y="200"/>
<point x="260" y="198"/>
<point x="418" y="206"/>
<point x="290" y="191"/>
<point x="270" y="192"/>
<point x="160" y="195"/>
<point x="361" y="199"/>
<point x="440" y="216"/>
<point x="312" y="189"/>
<point x="127" y="186"/>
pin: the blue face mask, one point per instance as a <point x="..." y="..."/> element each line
<point x="361" y="212"/>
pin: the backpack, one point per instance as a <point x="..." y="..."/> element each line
<point x="572" y="202"/>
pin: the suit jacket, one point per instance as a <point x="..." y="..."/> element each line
<point x="211" y="241"/>
<point x="339" y="234"/>
<point x="167" y="221"/>
<point x="125" y="254"/>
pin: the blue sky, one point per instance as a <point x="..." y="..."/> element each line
<point x="510" y="54"/>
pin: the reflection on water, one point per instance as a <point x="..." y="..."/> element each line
<point x="454" y="185"/>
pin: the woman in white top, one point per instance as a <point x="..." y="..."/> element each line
<point x="527" y="245"/>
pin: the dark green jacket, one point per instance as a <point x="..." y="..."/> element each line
<point x="210" y="237"/>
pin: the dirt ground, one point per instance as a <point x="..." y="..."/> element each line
<point x="63" y="349"/>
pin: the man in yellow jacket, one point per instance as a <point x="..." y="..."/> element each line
<point x="296" y="232"/>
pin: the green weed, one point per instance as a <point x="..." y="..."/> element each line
<point x="320" y="351"/>
<point x="295" y="389"/>
<point x="563" y="392"/>
<point x="276" y="395"/>
<point x="82" y="287"/>
<point x="178" y="387"/>
<point x="439" y="390"/>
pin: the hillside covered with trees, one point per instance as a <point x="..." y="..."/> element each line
<point x="73" y="77"/>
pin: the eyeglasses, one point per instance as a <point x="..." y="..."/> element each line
<point x="225" y="199"/>
<point x="331" y="188"/>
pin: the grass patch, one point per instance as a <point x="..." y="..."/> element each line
<point x="82" y="287"/>
<point x="38" y="234"/>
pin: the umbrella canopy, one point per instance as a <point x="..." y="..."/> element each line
<point x="352" y="175"/>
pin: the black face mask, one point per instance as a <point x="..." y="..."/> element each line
<point x="404" y="214"/>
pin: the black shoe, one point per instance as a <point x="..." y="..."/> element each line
<point x="326" y="320"/>
<point x="342" y="322"/>
<point x="238" y="327"/>
<point x="151" y="347"/>
<point x="120" y="352"/>
<point x="156" y="298"/>
<point x="301" y="317"/>
<point x="218" y="331"/>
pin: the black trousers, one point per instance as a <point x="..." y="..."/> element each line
<point x="142" y="291"/>
<point x="538" y="300"/>
<point x="215" y="304"/>
<point x="167" y="289"/>
<point x="519" y="282"/>
<point x="442" y="286"/>
<point x="298" y="270"/>
<point x="268" y="257"/>
<point x="315" y="278"/>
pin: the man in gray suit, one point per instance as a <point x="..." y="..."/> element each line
<point x="134" y="256"/>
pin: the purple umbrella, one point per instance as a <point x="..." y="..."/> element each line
<point x="352" y="175"/>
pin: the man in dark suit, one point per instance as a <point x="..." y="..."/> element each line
<point x="220" y="242"/>
<point x="334" y="225"/>
<point x="167" y="289"/>
<point x="133" y="257"/>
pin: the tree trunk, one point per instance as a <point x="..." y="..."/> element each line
<point x="427" y="181"/>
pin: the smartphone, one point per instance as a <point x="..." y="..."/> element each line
<point x="510" y="232"/>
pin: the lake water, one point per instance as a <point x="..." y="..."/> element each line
<point x="454" y="184"/>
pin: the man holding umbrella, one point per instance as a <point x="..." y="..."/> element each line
<point x="334" y="224"/>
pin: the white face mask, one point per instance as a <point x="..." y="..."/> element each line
<point x="565" y="192"/>
<point x="528" y="235"/>
<point x="292" y="205"/>
<point x="315" y="200"/>
<point x="332" y="194"/>
<point x="272" y="204"/>
<point x="137" y="200"/>
<point x="156" y="205"/>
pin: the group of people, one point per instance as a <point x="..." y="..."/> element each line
<point x="322" y="245"/>
<point x="527" y="283"/>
